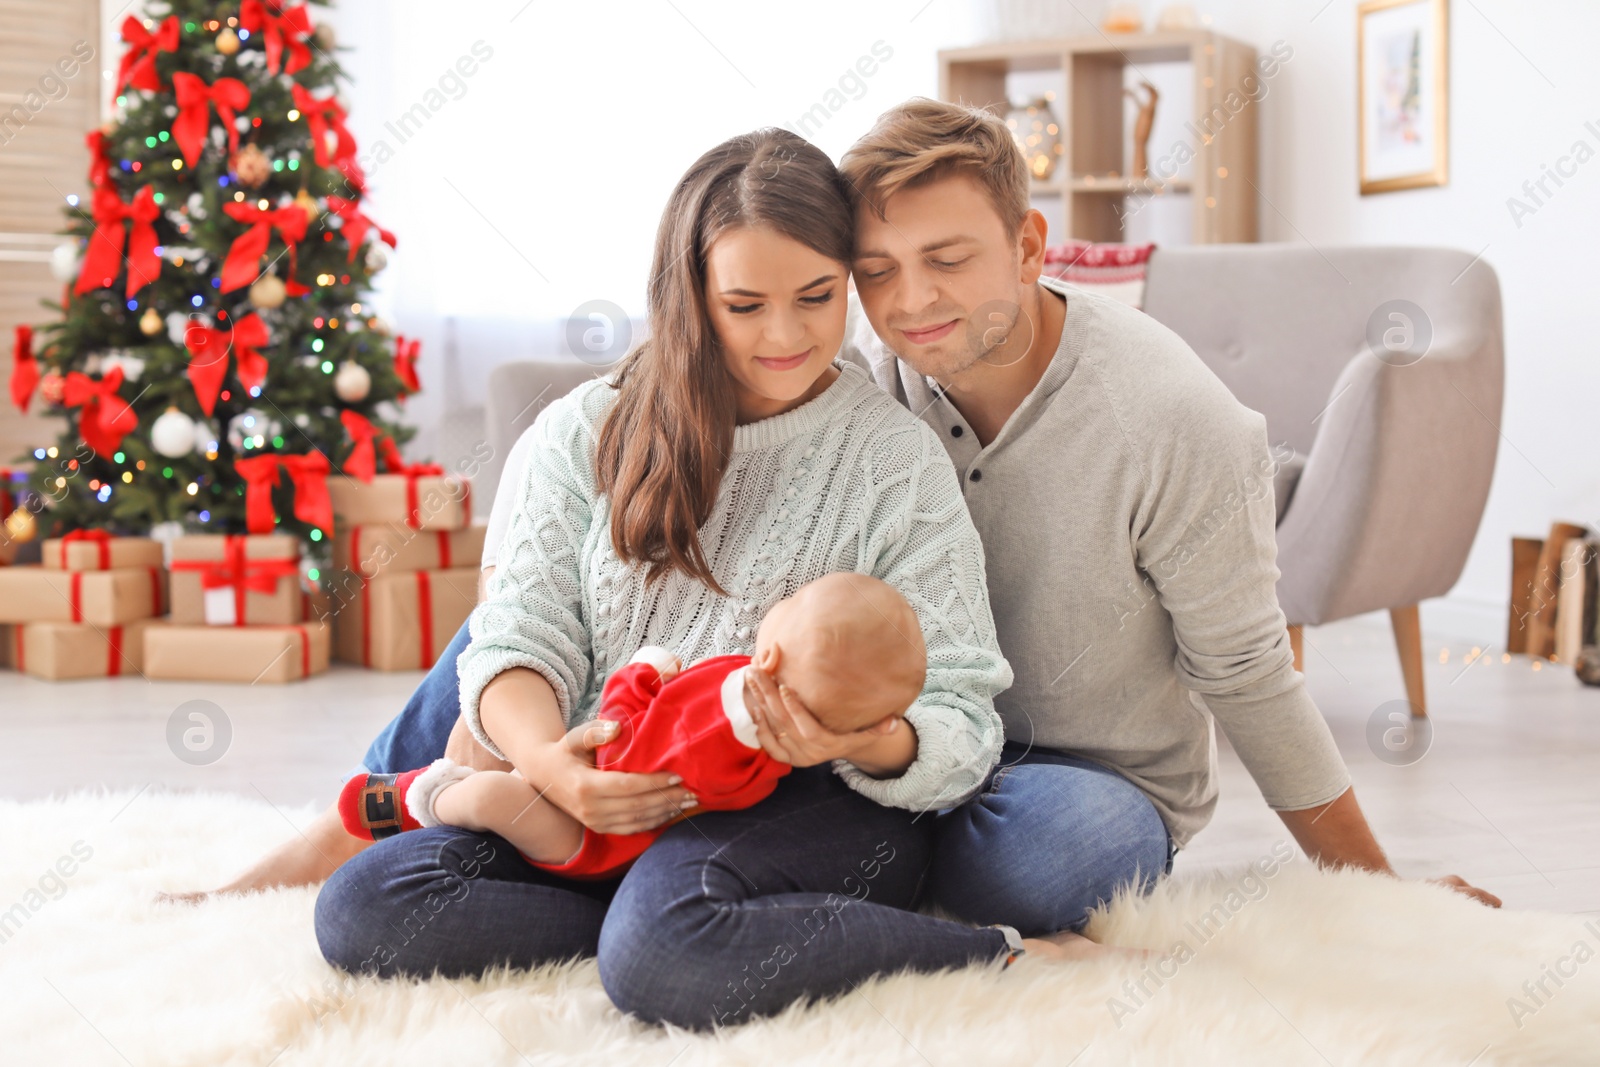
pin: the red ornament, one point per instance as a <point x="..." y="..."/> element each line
<point x="102" y="261"/>
<point x="279" y="31"/>
<point x="106" y="418"/>
<point x="209" y="350"/>
<point x="138" y="66"/>
<point x="195" y="100"/>
<point x="53" y="388"/>
<point x="24" y="369"/>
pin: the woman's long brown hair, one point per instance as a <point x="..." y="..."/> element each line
<point x="664" y="445"/>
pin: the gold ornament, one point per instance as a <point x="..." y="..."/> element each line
<point x="151" y="323"/>
<point x="251" y="166"/>
<point x="308" y="203"/>
<point x="21" y="525"/>
<point x="227" y="42"/>
<point x="268" y="291"/>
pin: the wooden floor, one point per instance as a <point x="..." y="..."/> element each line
<point x="1508" y="795"/>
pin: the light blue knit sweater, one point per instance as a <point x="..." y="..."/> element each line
<point x="849" y="481"/>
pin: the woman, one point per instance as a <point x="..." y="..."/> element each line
<point x="728" y="462"/>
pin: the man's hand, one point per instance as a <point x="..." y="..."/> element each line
<point x="1459" y="884"/>
<point x="607" y="802"/>
<point x="1337" y="835"/>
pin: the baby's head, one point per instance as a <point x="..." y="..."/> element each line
<point x="849" y="646"/>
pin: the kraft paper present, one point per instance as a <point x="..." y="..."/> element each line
<point x="93" y="550"/>
<point x="213" y="574"/>
<point x="420" y="501"/>
<point x="401" y="621"/>
<point x="247" y="654"/>
<point x="59" y="651"/>
<point x="392" y="546"/>
<point x="104" y="598"/>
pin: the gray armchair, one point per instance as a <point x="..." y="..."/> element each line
<point x="1397" y="451"/>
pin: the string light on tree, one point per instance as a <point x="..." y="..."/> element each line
<point x="150" y="323"/>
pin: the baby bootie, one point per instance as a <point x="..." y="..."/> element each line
<point x="376" y="806"/>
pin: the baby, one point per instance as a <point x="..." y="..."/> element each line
<point x="847" y="645"/>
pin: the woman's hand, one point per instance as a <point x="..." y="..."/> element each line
<point x="791" y="734"/>
<point x="607" y="802"/>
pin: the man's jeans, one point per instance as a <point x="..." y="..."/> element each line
<point x="734" y="914"/>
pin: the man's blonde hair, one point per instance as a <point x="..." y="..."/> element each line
<point x="924" y="140"/>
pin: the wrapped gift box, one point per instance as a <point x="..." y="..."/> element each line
<point x="372" y="550"/>
<point x="62" y="650"/>
<point x="95" y="550"/>
<point x="248" y="654"/>
<point x="8" y="637"/>
<point x="401" y="621"/>
<point x="104" y="598"/>
<point x="420" y="501"/>
<point x="214" y="576"/>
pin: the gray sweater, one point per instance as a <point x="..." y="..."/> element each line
<point x="1127" y="520"/>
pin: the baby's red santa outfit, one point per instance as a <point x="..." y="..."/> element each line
<point x="695" y="725"/>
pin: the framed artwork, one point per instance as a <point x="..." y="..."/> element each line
<point x="1402" y="74"/>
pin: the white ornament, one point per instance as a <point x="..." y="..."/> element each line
<point x="352" y="383"/>
<point x="65" y="261"/>
<point x="132" y="366"/>
<point x="173" y="434"/>
<point x="377" y="257"/>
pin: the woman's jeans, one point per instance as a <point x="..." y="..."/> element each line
<point x="733" y="914"/>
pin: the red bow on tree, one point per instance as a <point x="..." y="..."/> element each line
<point x="352" y="173"/>
<point x="106" y="418"/>
<point x="99" y="158"/>
<point x="195" y="100"/>
<point x="209" y="365"/>
<point x="138" y="66"/>
<point x="321" y="116"/>
<point x="362" y="462"/>
<point x="24" y="369"/>
<point x="102" y="261"/>
<point x="308" y="474"/>
<point x="405" y="362"/>
<point x="356" y="225"/>
<point x="243" y="264"/>
<point x="290" y="28"/>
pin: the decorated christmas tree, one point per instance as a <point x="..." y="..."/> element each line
<point x="215" y="355"/>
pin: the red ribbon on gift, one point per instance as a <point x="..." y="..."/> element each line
<point x="243" y="264"/>
<point x="102" y="261"/>
<point x="138" y="66"/>
<point x="97" y="537"/>
<point x="75" y="585"/>
<point x="209" y="350"/>
<point x="357" y="225"/>
<point x="308" y="474"/>
<point x="113" y="651"/>
<point x="99" y="158"/>
<point x="24" y="369"/>
<point x="195" y="101"/>
<point x="361" y="464"/>
<point x="106" y="418"/>
<point x="323" y="115"/>
<point x="279" y="31"/>
<point x="236" y="571"/>
<point x="406" y="351"/>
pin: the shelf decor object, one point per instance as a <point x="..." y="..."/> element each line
<point x="1037" y="132"/>
<point x="1403" y="60"/>
<point x="1210" y="164"/>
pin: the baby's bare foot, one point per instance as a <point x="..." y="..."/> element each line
<point x="1066" y="945"/>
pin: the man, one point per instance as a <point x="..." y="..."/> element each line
<point x="1129" y="547"/>
<point x="1124" y="501"/>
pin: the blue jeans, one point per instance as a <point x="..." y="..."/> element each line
<point x="1048" y="837"/>
<point x="734" y="914"/>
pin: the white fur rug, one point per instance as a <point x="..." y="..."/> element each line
<point x="1296" y="968"/>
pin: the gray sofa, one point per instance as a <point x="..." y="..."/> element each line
<point x="1392" y="454"/>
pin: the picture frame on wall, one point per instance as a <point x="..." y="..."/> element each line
<point x="1402" y="78"/>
